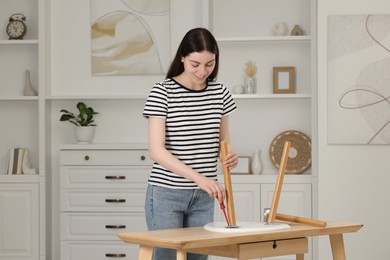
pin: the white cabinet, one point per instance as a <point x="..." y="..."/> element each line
<point x="23" y="202"/>
<point x="102" y="194"/>
<point x="19" y="215"/>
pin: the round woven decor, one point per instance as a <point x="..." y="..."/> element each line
<point x="300" y="151"/>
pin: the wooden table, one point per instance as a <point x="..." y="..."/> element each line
<point x="292" y="241"/>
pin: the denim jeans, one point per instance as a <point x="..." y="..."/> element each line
<point x="177" y="208"/>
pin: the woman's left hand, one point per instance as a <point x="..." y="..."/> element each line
<point x="231" y="160"/>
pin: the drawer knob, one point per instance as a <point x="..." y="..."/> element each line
<point x="274" y="246"/>
<point x="115" y="200"/>
<point x="116" y="255"/>
<point x="116" y="226"/>
<point x="86" y="157"/>
<point x="143" y="157"/>
<point x="115" y="177"/>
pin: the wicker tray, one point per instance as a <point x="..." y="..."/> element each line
<point x="300" y="152"/>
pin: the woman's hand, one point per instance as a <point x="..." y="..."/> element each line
<point x="230" y="161"/>
<point x="213" y="188"/>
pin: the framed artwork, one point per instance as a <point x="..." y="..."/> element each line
<point x="129" y="37"/>
<point x="284" y="80"/>
<point x="243" y="166"/>
<point x="358" y="79"/>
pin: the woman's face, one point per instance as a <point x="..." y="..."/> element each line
<point x="199" y="65"/>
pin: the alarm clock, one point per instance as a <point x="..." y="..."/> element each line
<point x="16" y="28"/>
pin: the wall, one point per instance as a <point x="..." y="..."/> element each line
<point x="353" y="179"/>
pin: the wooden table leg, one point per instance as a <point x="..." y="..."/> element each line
<point x="181" y="255"/>
<point x="337" y="244"/>
<point x="300" y="257"/>
<point x="145" y="253"/>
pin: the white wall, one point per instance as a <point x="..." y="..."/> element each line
<point x="353" y="179"/>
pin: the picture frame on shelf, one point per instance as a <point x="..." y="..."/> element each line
<point x="284" y="80"/>
<point x="243" y="166"/>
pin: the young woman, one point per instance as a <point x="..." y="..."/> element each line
<point x="188" y="117"/>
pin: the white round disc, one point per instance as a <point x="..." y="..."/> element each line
<point x="245" y="227"/>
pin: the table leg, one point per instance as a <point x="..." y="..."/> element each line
<point x="181" y="255"/>
<point x="337" y="244"/>
<point x="300" y="257"/>
<point x="145" y="253"/>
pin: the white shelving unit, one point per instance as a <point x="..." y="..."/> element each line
<point x="22" y="197"/>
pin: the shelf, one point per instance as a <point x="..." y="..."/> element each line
<point x="18" y="42"/>
<point x="20" y="178"/>
<point x="271" y="96"/>
<point x="265" y="39"/>
<point x="19" y="98"/>
<point x="102" y="97"/>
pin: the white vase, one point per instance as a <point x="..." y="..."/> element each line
<point x="84" y="134"/>
<point x="257" y="163"/>
<point x="279" y="29"/>
<point x="250" y="85"/>
<point x="28" y="89"/>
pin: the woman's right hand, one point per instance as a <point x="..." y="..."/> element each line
<point x="213" y="188"/>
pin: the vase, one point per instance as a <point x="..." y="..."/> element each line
<point x="257" y="163"/>
<point x="28" y="89"/>
<point x="279" y="29"/>
<point x="250" y="85"/>
<point x="297" y="30"/>
<point x="84" y="134"/>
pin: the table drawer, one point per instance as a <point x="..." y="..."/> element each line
<point x="103" y="200"/>
<point x="105" y="157"/>
<point x="95" y="250"/>
<point x="103" y="176"/>
<point x="273" y="248"/>
<point x="100" y="226"/>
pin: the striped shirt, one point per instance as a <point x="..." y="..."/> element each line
<point x="193" y="120"/>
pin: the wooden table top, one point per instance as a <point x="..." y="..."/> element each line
<point x="187" y="238"/>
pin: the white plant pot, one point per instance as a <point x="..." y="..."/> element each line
<point x="84" y="134"/>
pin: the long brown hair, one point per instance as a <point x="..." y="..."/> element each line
<point x="195" y="40"/>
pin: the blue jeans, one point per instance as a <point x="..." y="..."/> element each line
<point x="177" y="208"/>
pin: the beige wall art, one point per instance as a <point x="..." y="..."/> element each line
<point x="129" y="37"/>
<point x="359" y="79"/>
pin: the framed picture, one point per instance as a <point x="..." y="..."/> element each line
<point x="243" y="166"/>
<point x="284" y="80"/>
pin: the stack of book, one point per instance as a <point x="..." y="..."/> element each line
<point x="19" y="162"/>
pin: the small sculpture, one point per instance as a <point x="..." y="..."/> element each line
<point x="297" y="30"/>
<point x="279" y="29"/>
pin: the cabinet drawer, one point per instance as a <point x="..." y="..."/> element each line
<point x="84" y="250"/>
<point x="103" y="200"/>
<point x="100" y="226"/>
<point x="103" y="176"/>
<point x="105" y="157"/>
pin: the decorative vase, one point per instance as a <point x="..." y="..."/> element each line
<point x="84" y="134"/>
<point x="297" y="30"/>
<point x="279" y="29"/>
<point x="28" y="89"/>
<point x="256" y="164"/>
<point x="250" y="85"/>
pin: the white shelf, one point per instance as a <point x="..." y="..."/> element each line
<point x="102" y="97"/>
<point x="271" y="96"/>
<point x="265" y="39"/>
<point x="18" y="98"/>
<point x="19" y="178"/>
<point x="18" y="42"/>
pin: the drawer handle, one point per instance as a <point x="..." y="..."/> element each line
<point x="116" y="255"/>
<point x="115" y="177"/>
<point x="115" y="200"/>
<point x="116" y="226"/>
<point x="86" y="158"/>
<point x="143" y="157"/>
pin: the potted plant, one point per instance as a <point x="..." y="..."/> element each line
<point x="84" y="122"/>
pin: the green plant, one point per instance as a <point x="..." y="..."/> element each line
<point x="84" y="118"/>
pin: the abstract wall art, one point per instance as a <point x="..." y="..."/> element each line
<point x="129" y="37"/>
<point x="359" y="79"/>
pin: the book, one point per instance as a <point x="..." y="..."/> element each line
<point x="18" y="162"/>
